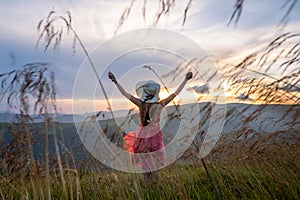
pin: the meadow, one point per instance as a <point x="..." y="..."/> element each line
<point x="260" y="166"/>
<point x="267" y="175"/>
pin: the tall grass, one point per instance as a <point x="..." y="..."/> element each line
<point x="252" y="179"/>
<point x="34" y="82"/>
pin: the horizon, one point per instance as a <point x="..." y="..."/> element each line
<point x="135" y="109"/>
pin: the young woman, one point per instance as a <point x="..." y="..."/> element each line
<point x="148" y="137"/>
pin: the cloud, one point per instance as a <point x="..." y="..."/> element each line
<point x="256" y="27"/>
<point x="290" y="88"/>
<point x="244" y="97"/>
<point x="201" y="89"/>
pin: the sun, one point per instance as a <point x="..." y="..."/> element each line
<point x="163" y="94"/>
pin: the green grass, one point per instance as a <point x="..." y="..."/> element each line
<point x="254" y="179"/>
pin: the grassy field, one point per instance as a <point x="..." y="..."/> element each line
<point x="264" y="166"/>
<point x="275" y="175"/>
<point x="47" y="161"/>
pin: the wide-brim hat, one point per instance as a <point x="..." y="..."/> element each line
<point x="148" y="91"/>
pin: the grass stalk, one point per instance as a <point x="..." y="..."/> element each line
<point x="211" y="180"/>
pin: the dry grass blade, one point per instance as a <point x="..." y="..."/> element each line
<point x="124" y="16"/>
<point x="237" y="12"/>
<point x="144" y="10"/>
<point x="164" y="8"/>
<point x="291" y="6"/>
<point x="186" y="11"/>
<point x="35" y="79"/>
<point x="240" y="3"/>
<point x="52" y="23"/>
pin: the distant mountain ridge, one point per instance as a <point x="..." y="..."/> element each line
<point x="9" y="117"/>
<point x="274" y="117"/>
<point x="13" y="117"/>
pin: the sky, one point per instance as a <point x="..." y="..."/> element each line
<point x="96" y="21"/>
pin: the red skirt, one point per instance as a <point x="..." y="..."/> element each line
<point x="142" y="142"/>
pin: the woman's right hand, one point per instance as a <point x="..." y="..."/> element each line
<point x="112" y="77"/>
<point x="189" y="76"/>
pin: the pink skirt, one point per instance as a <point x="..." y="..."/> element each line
<point x="143" y="141"/>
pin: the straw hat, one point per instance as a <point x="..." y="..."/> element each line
<point x="148" y="91"/>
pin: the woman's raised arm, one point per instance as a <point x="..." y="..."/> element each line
<point x="181" y="86"/>
<point x="133" y="99"/>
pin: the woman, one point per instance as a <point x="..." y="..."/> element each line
<point x="148" y="137"/>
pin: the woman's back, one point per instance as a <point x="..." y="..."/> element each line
<point x="149" y="113"/>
